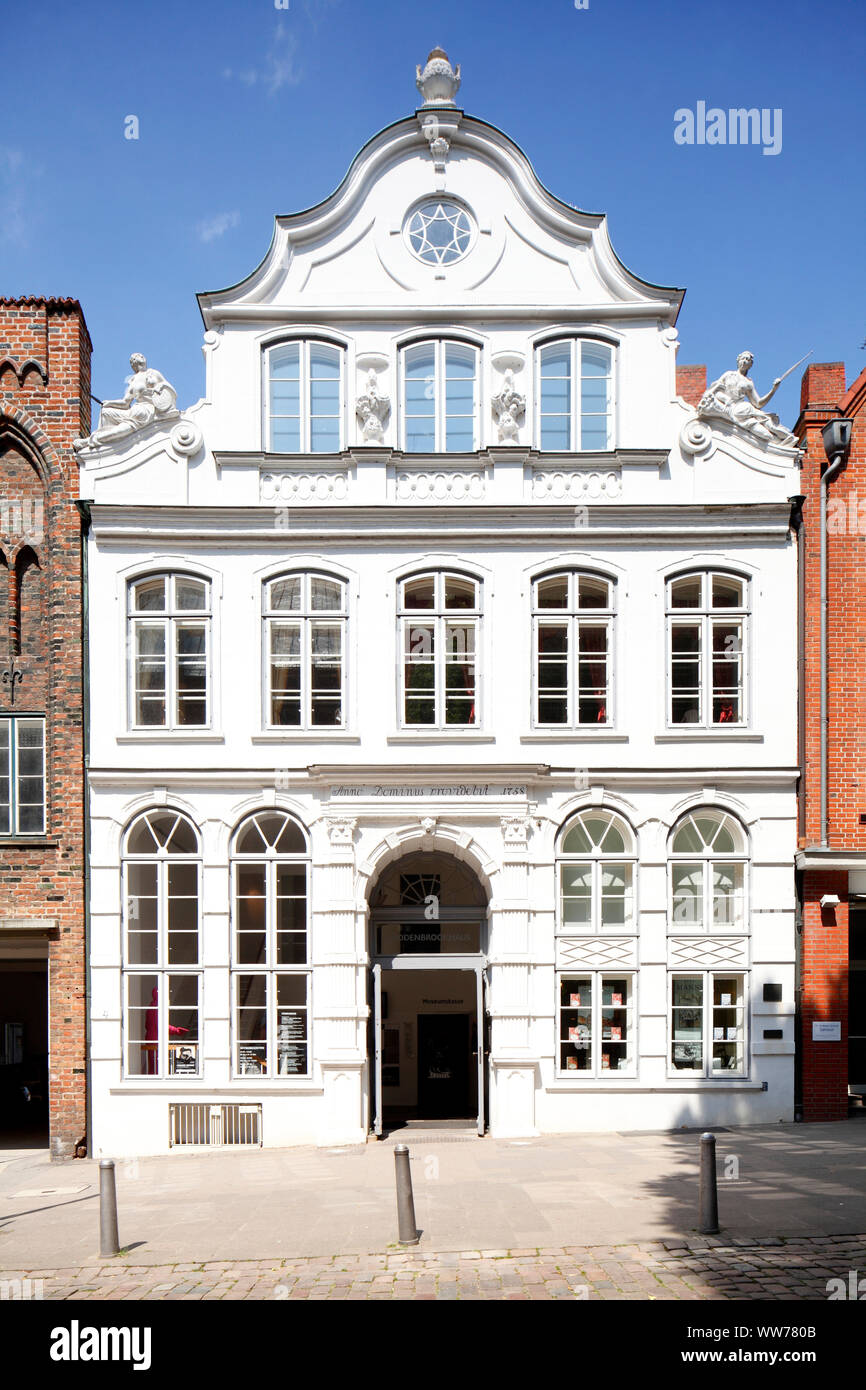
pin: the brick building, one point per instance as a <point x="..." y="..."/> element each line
<point x="45" y="355"/>
<point x="832" y="831"/>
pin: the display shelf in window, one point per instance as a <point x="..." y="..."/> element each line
<point x="596" y="1008"/>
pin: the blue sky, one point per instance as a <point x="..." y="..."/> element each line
<point x="246" y="110"/>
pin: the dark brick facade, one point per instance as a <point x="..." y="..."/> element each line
<point x="45" y="355"/>
<point x="824" y="974"/>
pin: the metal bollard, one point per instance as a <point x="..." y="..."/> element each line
<point x="709" y="1218"/>
<point x="407" y="1231"/>
<point x="108" y="1240"/>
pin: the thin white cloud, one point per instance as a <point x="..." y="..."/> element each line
<point x="279" y="67"/>
<point x="13" y="225"/>
<point x="213" y="227"/>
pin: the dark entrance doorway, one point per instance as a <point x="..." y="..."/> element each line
<point x="23" y="1054"/>
<point x="443" y="1066"/>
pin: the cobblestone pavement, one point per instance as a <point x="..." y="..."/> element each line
<point x="698" y="1269"/>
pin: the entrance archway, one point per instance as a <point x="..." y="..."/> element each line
<point x="428" y="926"/>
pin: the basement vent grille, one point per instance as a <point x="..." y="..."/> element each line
<point x="214" y="1126"/>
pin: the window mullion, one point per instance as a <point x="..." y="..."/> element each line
<point x="161" y="965"/>
<point x="439" y="669"/>
<point x="439" y="395"/>
<point x="170" y="640"/>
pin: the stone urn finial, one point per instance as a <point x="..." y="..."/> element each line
<point x="439" y="82"/>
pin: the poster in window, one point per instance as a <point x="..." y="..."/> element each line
<point x="183" y="1059"/>
<point x="291" y="1042"/>
<point x="251" y="1059"/>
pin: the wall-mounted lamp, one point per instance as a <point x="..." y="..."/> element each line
<point x="830" y="900"/>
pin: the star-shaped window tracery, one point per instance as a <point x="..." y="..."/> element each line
<point x="439" y="233"/>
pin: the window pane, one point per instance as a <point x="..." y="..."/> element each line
<point x="183" y="914"/>
<point x="687" y="1023"/>
<point x="688" y="895"/>
<point x="250" y="914"/>
<point x="460" y="593"/>
<point x="576" y="841"/>
<point x="555" y="433"/>
<point x="615" y="895"/>
<point x="291" y="1025"/>
<point x="575" y="1027"/>
<point x="285" y="594"/>
<point x="595" y="360"/>
<point x="686" y="593"/>
<point x="326" y="595"/>
<point x="419" y="593"/>
<point x="727" y="882"/>
<point x="191" y="649"/>
<point x="592" y="592"/>
<point x="149" y="595"/>
<point x="251" y="1028"/>
<point x="285" y="362"/>
<point x="556" y="361"/>
<point x="324" y="363"/>
<point x="150" y="674"/>
<point x="142" y="1025"/>
<point x="285" y="436"/>
<point x="553" y="592"/>
<point x="5" y="776"/>
<point x="190" y="594"/>
<point x="324" y="435"/>
<point x="727" y="592"/>
<point x="576" y="885"/>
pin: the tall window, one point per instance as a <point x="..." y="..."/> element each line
<point x="440" y="397"/>
<point x="573" y="643"/>
<point x="169" y="620"/>
<point x="596" y="1023"/>
<point x="270" y="957"/>
<point x="575" y="395"/>
<point x="708" y="866"/>
<point x="305" y="638"/>
<point x="707" y="615"/>
<point x="22" y="776"/>
<point x="440" y="618"/>
<point x="596" y="874"/>
<point x="162" y="979"/>
<point x="708" y="1023"/>
<point x="304" y="398"/>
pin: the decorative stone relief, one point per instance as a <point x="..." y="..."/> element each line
<point x="695" y="437"/>
<point x="704" y="953"/>
<point x="439" y="83"/>
<point x="186" y="438"/>
<point x="372" y="411"/>
<point x="148" y="398"/>
<point x="594" y="953"/>
<point x="341" y="829"/>
<point x="508" y="407"/>
<point x="303" y="487"/>
<point x="428" y="825"/>
<point x="733" y="398"/>
<point x="453" y="486"/>
<point x="555" y="483"/>
<point x="515" y="829"/>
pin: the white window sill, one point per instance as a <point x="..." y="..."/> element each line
<point x="440" y="736"/>
<point x="702" y="1085"/>
<point x="238" y="1090"/>
<point x="570" y="736"/>
<point x="306" y="736"/>
<point x="171" y="736"/>
<point x="710" y="736"/>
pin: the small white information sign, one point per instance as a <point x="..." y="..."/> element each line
<point x="826" y="1032"/>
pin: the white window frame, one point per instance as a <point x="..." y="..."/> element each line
<point x="304" y="616"/>
<point x="163" y="970"/>
<point x="707" y="617"/>
<point x="597" y="1040"/>
<point x="707" y="1072"/>
<point x="438" y="617"/>
<point x="271" y="969"/>
<point x="707" y="926"/>
<point x="573" y="618"/>
<point x="13" y="722"/>
<point x="304" y="429"/>
<point x="575" y="345"/>
<point x="440" y="346"/>
<point x="597" y="857"/>
<point x="170" y="617"/>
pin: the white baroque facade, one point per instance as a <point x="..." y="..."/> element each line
<point x="443" y="691"/>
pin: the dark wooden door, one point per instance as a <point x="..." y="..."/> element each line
<point x="443" y="1066"/>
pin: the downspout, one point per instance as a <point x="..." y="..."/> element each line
<point x="797" y="526"/>
<point x="84" y="511"/>
<point x="830" y="472"/>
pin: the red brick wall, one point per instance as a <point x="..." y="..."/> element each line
<point x="825" y="934"/>
<point x="691" y="383"/>
<point x="40" y="536"/>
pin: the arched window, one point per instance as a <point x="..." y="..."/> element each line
<point x="304" y="397"/>
<point x="596" y="873"/>
<point x="707" y="614"/>
<point x="439" y="614"/>
<point x="305" y="644"/>
<point x="575" y="395"/>
<point x="596" y="1008"/>
<point x="161" y="956"/>
<point x="708" y="866"/>
<point x="573" y="646"/>
<point x="169" y="618"/>
<point x="440" y="397"/>
<point x="270" y="950"/>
